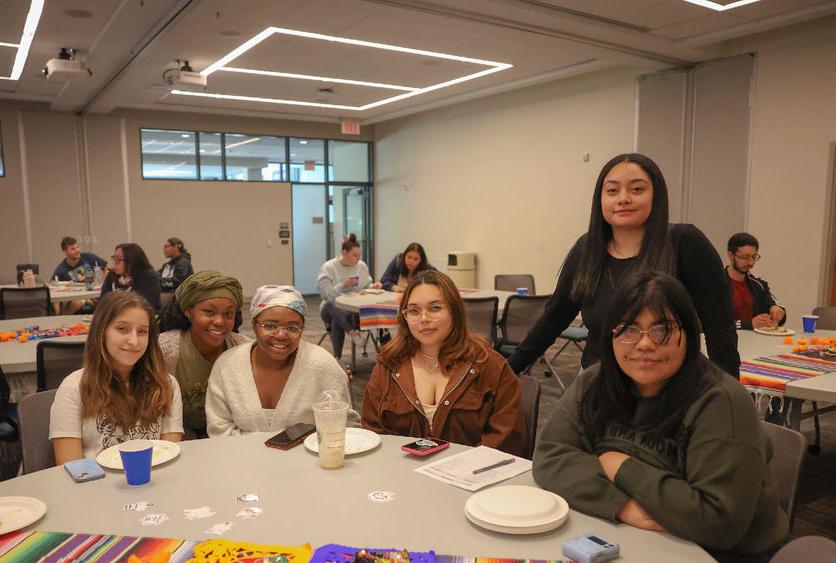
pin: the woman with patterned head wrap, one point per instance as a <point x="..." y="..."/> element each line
<point x="203" y="318"/>
<point x="272" y="383"/>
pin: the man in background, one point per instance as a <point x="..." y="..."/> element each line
<point x="753" y="304"/>
<point x="72" y="268"/>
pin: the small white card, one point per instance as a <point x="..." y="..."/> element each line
<point x="220" y="528"/>
<point x="198" y="513"/>
<point x="250" y="512"/>
<point x="248" y="497"/>
<point x="382" y="496"/>
<point x="138" y="506"/>
<point x="153" y="519"/>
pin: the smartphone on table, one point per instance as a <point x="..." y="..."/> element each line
<point x="291" y="436"/>
<point x="425" y="446"/>
<point x="82" y="470"/>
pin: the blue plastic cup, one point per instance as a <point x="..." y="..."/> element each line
<point x="522" y="291"/>
<point x="809" y="322"/>
<point x="136" y="459"/>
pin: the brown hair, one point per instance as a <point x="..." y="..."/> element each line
<point x="103" y="394"/>
<point x="350" y="242"/>
<point x="67" y="242"/>
<point x="460" y="346"/>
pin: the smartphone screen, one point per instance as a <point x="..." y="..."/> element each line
<point x="82" y="470"/>
<point x="425" y="446"/>
<point x="291" y="434"/>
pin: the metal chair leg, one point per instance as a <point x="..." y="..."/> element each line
<point x="550" y="370"/>
<point x="815" y="447"/>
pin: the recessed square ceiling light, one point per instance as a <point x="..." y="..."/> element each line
<point x="408" y="91"/>
<point x="29" y="27"/>
<point x="717" y="7"/>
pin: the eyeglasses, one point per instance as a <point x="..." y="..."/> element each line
<point x="413" y="313"/>
<point x="115" y="259"/>
<point x="747" y="257"/>
<point x="630" y="334"/>
<point x="271" y="328"/>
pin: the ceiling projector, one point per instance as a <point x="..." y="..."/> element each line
<point x="65" y="68"/>
<point x="185" y="77"/>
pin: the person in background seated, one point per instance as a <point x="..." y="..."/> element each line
<point x="404" y="267"/>
<point x="753" y="305"/>
<point x="178" y="267"/>
<point x="658" y="436"/>
<point x="198" y="328"/>
<point x="344" y="274"/>
<point x="629" y="232"/>
<point x="123" y="391"/>
<point x="272" y="383"/>
<point x="436" y="379"/>
<point x="72" y="268"/>
<point x="132" y="272"/>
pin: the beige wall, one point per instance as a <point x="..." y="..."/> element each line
<point x="78" y="185"/>
<point x="502" y="176"/>
<point x="793" y="129"/>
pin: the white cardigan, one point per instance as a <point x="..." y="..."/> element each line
<point x="232" y="403"/>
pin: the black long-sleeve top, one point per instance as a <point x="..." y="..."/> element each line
<point x="146" y="283"/>
<point x="698" y="267"/>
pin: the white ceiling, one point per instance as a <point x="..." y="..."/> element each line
<point x="129" y="43"/>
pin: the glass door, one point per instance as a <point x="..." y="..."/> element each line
<point x="350" y="211"/>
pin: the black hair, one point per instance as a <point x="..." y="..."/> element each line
<point x="656" y="251"/>
<point x="67" y="242"/>
<point x="742" y="239"/>
<point x="610" y="396"/>
<point x="171" y="318"/>
<point x="177" y="243"/>
<point x="350" y="242"/>
<point x="422" y="265"/>
<point x="135" y="259"/>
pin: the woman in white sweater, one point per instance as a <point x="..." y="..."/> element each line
<point x="272" y="383"/>
<point x="344" y="274"/>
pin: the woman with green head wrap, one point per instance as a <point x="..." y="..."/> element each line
<point x="199" y="328"/>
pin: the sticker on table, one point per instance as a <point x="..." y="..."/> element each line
<point x="141" y="506"/>
<point x="248" y="497"/>
<point x="220" y="528"/>
<point x="250" y="512"/>
<point x="382" y="496"/>
<point x="198" y="513"/>
<point x="153" y="519"/>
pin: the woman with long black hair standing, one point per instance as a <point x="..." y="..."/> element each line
<point x="628" y="233"/>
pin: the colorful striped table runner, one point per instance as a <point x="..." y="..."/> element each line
<point x="379" y="315"/>
<point x="25" y="547"/>
<point x="770" y="374"/>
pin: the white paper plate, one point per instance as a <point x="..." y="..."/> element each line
<point x="19" y="512"/>
<point x="517" y="509"/>
<point x="357" y="440"/>
<point x="163" y="451"/>
<point x="783" y="332"/>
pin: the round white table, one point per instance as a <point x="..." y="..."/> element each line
<point x="19" y="357"/>
<point x="303" y="503"/>
<point x="69" y="292"/>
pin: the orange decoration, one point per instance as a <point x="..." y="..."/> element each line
<point x="814" y="340"/>
<point x="22" y="339"/>
<point x="788" y="340"/>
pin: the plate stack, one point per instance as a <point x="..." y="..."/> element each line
<point x="517" y="509"/>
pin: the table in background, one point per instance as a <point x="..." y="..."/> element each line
<point x="72" y="292"/>
<point x="303" y="503"/>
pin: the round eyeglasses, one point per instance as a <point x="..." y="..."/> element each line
<point x="272" y="328"/>
<point x="414" y="313"/>
<point x="630" y="334"/>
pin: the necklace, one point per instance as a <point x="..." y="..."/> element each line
<point x="435" y="365"/>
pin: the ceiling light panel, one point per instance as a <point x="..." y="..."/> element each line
<point x="385" y="92"/>
<point x="721" y="6"/>
<point x="24" y="42"/>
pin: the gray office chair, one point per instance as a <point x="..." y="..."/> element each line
<point x="56" y="360"/>
<point x="33" y="411"/>
<point x="519" y="315"/>
<point x="572" y="335"/>
<point x="827" y="318"/>
<point x="788" y="449"/>
<point x="23" y="302"/>
<point x="807" y="550"/>
<point x="530" y="392"/>
<point x="510" y="282"/>
<point x="481" y="316"/>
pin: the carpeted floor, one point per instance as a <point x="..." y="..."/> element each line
<point x="816" y="497"/>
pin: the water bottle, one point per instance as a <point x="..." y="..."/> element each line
<point x="88" y="278"/>
<point x="98" y="275"/>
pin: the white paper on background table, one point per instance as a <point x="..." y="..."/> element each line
<point x="458" y="469"/>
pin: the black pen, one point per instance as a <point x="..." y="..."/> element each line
<point x="494" y="465"/>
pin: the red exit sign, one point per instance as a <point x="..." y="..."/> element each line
<point x="350" y="127"/>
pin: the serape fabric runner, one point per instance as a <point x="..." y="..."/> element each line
<point x="25" y="547"/>
<point x="767" y="376"/>
<point x="379" y="315"/>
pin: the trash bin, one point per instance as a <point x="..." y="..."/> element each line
<point x="461" y="267"/>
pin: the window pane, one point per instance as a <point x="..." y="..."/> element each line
<point x="211" y="163"/>
<point x="348" y="161"/>
<point x="307" y="160"/>
<point x="168" y="154"/>
<point x="255" y="158"/>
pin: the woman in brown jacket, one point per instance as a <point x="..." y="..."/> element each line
<point x="436" y="379"/>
